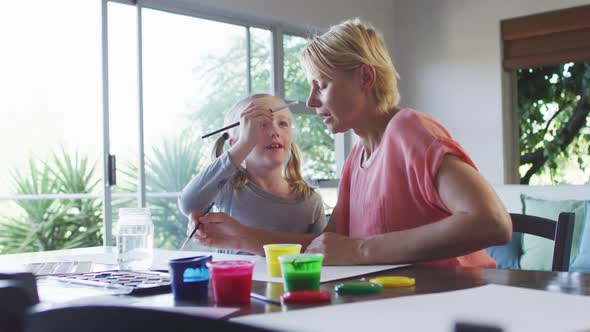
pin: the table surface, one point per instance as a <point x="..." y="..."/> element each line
<point x="428" y="280"/>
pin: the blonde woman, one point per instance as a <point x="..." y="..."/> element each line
<point x="256" y="185"/>
<point x="408" y="191"/>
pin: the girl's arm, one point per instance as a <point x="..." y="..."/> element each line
<point x="219" y="230"/>
<point x="478" y="220"/>
<point x="222" y="231"/>
<point x="205" y="187"/>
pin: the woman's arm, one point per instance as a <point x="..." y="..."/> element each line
<point x="478" y="220"/>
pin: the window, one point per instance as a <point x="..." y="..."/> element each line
<point x="554" y="130"/>
<point x="123" y="104"/>
<point x="50" y="133"/>
<point x="311" y="135"/>
<point x="548" y="55"/>
<point x="163" y="93"/>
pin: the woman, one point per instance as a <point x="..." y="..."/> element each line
<point x="408" y="191"/>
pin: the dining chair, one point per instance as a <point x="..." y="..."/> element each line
<point x="17" y="295"/>
<point x="94" y="318"/>
<point x="560" y="231"/>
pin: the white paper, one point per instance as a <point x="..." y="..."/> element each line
<point x="108" y="257"/>
<point x="510" y="308"/>
<point x="329" y="273"/>
<point x="211" y="312"/>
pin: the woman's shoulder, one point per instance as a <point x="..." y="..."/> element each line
<point x="414" y="125"/>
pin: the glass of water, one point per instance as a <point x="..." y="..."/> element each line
<point x="135" y="239"/>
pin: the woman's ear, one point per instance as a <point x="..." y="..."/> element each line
<point x="232" y="142"/>
<point x="368" y="76"/>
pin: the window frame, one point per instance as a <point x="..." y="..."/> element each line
<point x="534" y="41"/>
<point x="342" y="142"/>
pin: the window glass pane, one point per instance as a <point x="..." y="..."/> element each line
<point x="554" y="124"/>
<point x="296" y="85"/>
<point x="123" y="104"/>
<point x="190" y="82"/>
<point x="51" y="134"/>
<point x="316" y="144"/>
<point x="261" y="60"/>
<point x="330" y="197"/>
<point x="311" y="135"/>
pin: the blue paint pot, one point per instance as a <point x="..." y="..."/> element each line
<point x="190" y="278"/>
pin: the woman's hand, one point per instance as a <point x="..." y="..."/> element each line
<point x="219" y="230"/>
<point x="337" y="249"/>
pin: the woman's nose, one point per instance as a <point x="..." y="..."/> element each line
<point x="312" y="101"/>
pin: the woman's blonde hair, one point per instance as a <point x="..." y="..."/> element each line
<point x="347" y="46"/>
<point x="292" y="172"/>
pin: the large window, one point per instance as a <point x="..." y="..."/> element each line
<point x="50" y="131"/>
<point x="312" y="136"/>
<point x="548" y="57"/>
<point x="172" y="75"/>
<point x="553" y="105"/>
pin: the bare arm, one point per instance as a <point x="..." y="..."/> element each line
<point x="221" y="230"/>
<point x="478" y="220"/>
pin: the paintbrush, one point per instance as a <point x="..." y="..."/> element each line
<point x="275" y="109"/>
<point x="196" y="227"/>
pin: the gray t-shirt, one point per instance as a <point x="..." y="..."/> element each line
<point x="250" y="205"/>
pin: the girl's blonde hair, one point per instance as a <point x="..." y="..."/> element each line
<point x="347" y="46"/>
<point x="292" y="171"/>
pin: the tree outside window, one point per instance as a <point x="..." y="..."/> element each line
<point x="553" y="104"/>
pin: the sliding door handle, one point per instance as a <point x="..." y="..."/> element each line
<point x="112" y="170"/>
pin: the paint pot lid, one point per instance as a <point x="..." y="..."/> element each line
<point x="394" y="281"/>
<point x="306" y="297"/>
<point x="358" y="288"/>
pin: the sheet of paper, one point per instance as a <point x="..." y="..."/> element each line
<point x="52" y="292"/>
<point x="329" y="273"/>
<point x="161" y="258"/>
<point x="212" y="312"/>
<point x="101" y="258"/>
<point x="510" y="308"/>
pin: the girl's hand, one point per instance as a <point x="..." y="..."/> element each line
<point x="337" y="249"/>
<point x="252" y="121"/>
<point x="219" y="230"/>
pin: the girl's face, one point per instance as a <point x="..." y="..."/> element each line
<point x="338" y="100"/>
<point x="273" y="147"/>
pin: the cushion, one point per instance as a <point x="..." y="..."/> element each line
<point x="582" y="261"/>
<point x="537" y="252"/>
<point x="507" y="256"/>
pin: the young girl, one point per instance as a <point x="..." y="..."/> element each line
<point x="257" y="182"/>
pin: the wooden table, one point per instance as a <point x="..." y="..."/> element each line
<point x="434" y="280"/>
<point x="428" y="280"/>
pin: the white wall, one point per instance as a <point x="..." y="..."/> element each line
<point x="448" y="53"/>
<point x="317" y="13"/>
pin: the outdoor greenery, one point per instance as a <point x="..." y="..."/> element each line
<point x="168" y="168"/>
<point x="49" y="224"/>
<point x="554" y="103"/>
<point x="229" y="86"/>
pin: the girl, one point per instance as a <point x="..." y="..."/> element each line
<point x="257" y="182"/>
